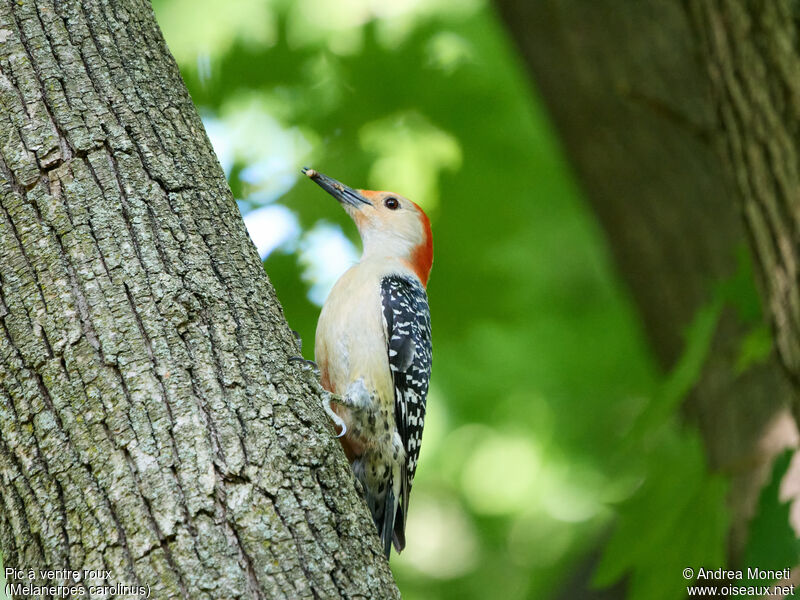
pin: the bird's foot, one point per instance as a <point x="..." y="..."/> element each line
<point x="363" y="410"/>
<point x="309" y="371"/>
<point x="338" y="422"/>
<point x="305" y="362"/>
<point x="356" y="398"/>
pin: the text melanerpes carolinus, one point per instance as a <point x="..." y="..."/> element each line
<point x="373" y="349"/>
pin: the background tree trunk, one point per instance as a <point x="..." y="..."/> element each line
<point x="679" y="118"/>
<point x="149" y="422"/>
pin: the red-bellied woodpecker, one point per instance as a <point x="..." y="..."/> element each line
<point x="373" y="349"/>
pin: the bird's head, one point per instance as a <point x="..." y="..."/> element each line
<point x="389" y="224"/>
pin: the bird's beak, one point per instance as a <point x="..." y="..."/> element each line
<point x="344" y="194"/>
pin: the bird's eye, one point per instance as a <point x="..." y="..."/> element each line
<point x="391" y="203"/>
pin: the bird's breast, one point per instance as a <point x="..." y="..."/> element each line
<point x="351" y="339"/>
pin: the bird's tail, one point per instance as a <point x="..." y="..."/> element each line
<point x="401" y="511"/>
<point x="399" y="536"/>
<point x="382" y="506"/>
<point x="386" y="523"/>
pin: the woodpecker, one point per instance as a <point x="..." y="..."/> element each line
<point x="373" y="349"/>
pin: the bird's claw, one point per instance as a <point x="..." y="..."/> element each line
<point x="299" y="340"/>
<point x="308" y="365"/>
<point x="337" y="420"/>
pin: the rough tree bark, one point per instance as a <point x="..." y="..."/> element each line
<point x="150" y="424"/>
<point x="751" y="52"/>
<point x="680" y="118"/>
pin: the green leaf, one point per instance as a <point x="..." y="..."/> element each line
<point x="676" y="519"/>
<point x="772" y="543"/>
<point x="754" y="348"/>
<point x="740" y="290"/>
<point x="683" y="376"/>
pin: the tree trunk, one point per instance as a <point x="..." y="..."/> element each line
<point x="679" y="118"/>
<point x="751" y="52"/>
<point x="150" y="425"/>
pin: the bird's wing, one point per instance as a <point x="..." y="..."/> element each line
<point x="408" y="329"/>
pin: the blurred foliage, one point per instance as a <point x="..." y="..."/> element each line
<point x="772" y="545"/>
<point x="691" y="521"/>
<point x="549" y="425"/>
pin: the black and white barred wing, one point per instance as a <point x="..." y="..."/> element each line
<point x="408" y="329"/>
